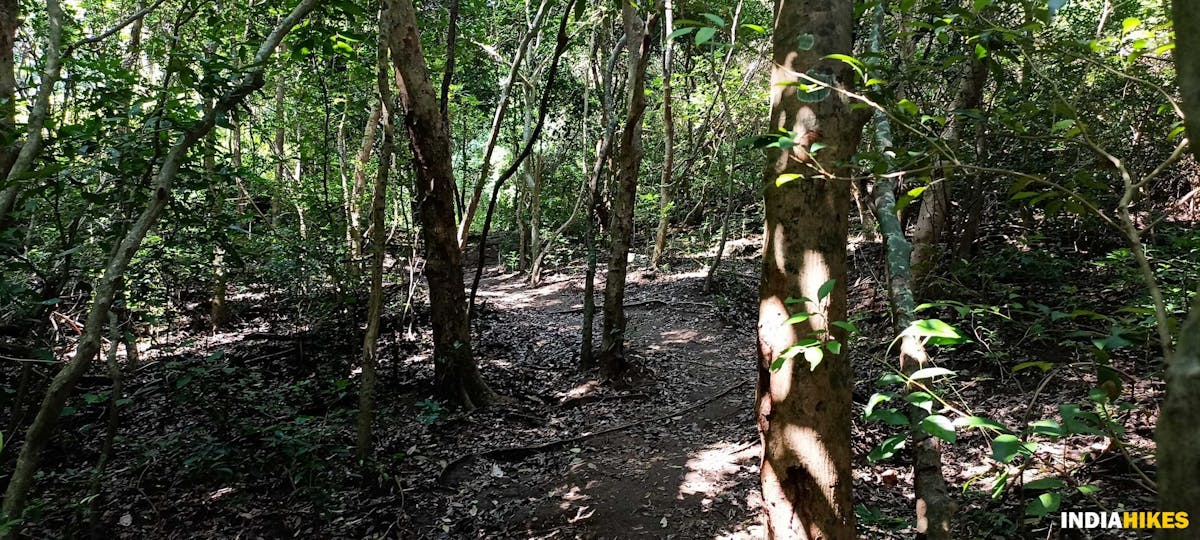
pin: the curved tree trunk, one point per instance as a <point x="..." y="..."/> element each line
<point x="803" y="411"/>
<point x="456" y="376"/>
<point x="472" y="205"/>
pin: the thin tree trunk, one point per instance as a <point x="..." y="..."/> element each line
<point x="535" y="208"/>
<point x="668" y="165"/>
<point x="934" y="213"/>
<point x="38" y="434"/>
<point x="464" y="227"/>
<point x="279" y="186"/>
<point x="544" y="107"/>
<point x="370" y="359"/>
<point x="114" y="422"/>
<point x="935" y="508"/>
<point x="712" y="270"/>
<point x="456" y="376"/>
<point x="629" y="161"/>
<point x="603" y="149"/>
<point x="31" y="147"/>
<point x="354" y="198"/>
<point x="804" y="411"/>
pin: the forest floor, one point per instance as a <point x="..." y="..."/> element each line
<point x="248" y="433"/>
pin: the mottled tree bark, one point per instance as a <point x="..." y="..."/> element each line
<point x="1178" y="436"/>
<point x="370" y="359"/>
<point x="629" y="161"/>
<point x="456" y="375"/>
<point x="804" y="413"/>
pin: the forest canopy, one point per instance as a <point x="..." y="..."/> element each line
<point x="555" y="268"/>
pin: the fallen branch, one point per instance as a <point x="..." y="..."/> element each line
<point x="519" y="452"/>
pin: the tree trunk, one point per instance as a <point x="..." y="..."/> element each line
<point x="934" y="213"/>
<point x="354" y="231"/>
<point x="105" y="290"/>
<point x="457" y="378"/>
<point x="472" y="204"/>
<point x="664" y="189"/>
<point x="934" y="506"/>
<point x="1177" y="437"/>
<point x="803" y="412"/>
<point x="31" y="147"/>
<point x="712" y="270"/>
<point x="370" y="358"/>
<point x="535" y="209"/>
<point x="560" y="47"/>
<point x="9" y="21"/>
<point x="629" y="161"/>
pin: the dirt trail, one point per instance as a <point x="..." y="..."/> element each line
<point x="691" y="475"/>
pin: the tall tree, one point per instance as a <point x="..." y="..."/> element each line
<point x="668" y="164"/>
<point x="629" y="162"/>
<point x="456" y="375"/>
<point x="378" y="236"/>
<point x="804" y="407"/>
<point x="1178" y="436"/>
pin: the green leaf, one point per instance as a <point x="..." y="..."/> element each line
<point x="891" y="417"/>
<point x="704" y="35"/>
<point x="921" y="399"/>
<point x="847" y="326"/>
<point x="814" y="147"/>
<point x="1046" y="427"/>
<point x="813" y="355"/>
<point x="792" y="300"/>
<point x="1043" y="504"/>
<point x="797" y="318"/>
<point x="929" y="373"/>
<point x="805" y="42"/>
<point x="680" y="32"/>
<point x="1043" y="484"/>
<point x="1062" y="125"/>
<point x="834" y="347"/>
<point x="853" y="62"/>
<point x="825" y="289"/>
<point x="1129" y="24"/>
<point x="887" y="448"/>
<point x="939" y="426"/>
<point x="935" y="329"/>
<point x="979" y="422"/>
<point x="1088" y="489"/>
<point x="876" y="399"/>
<point x="888" y="379"/>
<point x="717" y="20"/>
<point x="786" y="177"/>
<point x="1005" y="447"/>
<point x="1044" y="366"/>
<point x="183" y="381"/>
<point x="755" y="28"/>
